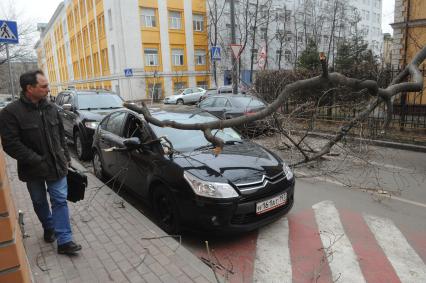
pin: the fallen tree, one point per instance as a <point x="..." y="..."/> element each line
<point x="322" y="82"/>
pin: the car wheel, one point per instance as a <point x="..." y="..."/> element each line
<point x="180" y="102"/>
<point x="83" y="152"/>
<point x="166" y="210"/>
<point x="97" y="165"/>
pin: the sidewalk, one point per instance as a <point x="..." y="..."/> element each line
<point x="111" y="235"/>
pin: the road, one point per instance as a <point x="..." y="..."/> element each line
<point x="361" y="218"/>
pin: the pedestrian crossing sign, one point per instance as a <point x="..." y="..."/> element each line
<point x="128" y="72"/>
<point x="8" y="32"/>
<point x="215" y="51"/>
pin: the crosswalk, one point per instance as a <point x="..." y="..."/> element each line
<point x="330" y="245"/>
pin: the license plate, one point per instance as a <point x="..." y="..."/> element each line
<point x="272" y="203"/>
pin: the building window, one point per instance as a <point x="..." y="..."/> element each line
<point x="151" y="56"/>
<point x="200" y="57"/>
<point x="177" y="57"/>
<point x="198" y="22"/>
<point x="148" y="17"/>
<point x="110" y="19"/>
<point x="278" y="55"/>
<point x="175" y="20"/>
<point x="178" y="86"/>
<point x="202" y="84"/>
<point x="287" y="55"/>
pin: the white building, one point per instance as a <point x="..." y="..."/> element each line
<point x="291" y="24"/>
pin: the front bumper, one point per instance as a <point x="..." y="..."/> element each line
<point x="232" y="216"/>
<point x="169" y="101"/>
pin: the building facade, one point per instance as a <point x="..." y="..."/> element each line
<point x="409" y="32"/>
<point x="138" y="49"/>
<point x="283" y="28"/>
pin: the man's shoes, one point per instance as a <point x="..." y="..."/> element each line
<point x="49" y="235"/>
<point x="69" y="248"/>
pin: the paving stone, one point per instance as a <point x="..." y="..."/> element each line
<point x="157" y="269"/>
<point x="113" y="250"/>
<point x="151" y="278"/>
<point x="167" y="278"/>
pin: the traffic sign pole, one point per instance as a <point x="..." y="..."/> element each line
<point x="12" y="88"/>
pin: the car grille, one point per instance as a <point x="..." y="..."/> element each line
<point x="240" y="219"/>
<point x="249" y="188"/>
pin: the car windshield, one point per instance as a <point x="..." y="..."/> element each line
<point x="247" y="101"/>
<point x="99" y="101"/>
<point x="188" y="140"/>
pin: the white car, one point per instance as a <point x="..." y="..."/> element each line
<point x="186" y="96"/>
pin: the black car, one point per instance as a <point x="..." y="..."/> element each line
<point x="81" y="111"/>
<point x="241" y="189"/>
<point x="232" y="106"/>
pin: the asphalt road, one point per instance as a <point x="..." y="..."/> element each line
<point x="343" y="205"/>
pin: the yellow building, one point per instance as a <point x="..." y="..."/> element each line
<point x="133" y="47"/>
<point x="409" y="38"/>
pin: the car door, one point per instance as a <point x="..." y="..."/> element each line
<point x="65" y="98"/>
<point x="188" y="96"/>
<point x="140" y="163"/>
<point x="197" y="93"/>
<point x="220" y="107"/>
<point x="110" y="138"/>
<point x="67" y="114"/>
<point x="207" y="104"/>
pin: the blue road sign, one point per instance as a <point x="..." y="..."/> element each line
<point x="215" y="52"/>
<point x="8" y="32"/>
<point x="128" y="72"/>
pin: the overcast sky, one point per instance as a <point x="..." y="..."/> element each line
<point x="42" y="10"/>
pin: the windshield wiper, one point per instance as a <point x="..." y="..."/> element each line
<point x="89" y="108"/>
<point x="233" y="142"/>
<point x="206" y="146"/>
<point x="111" y="107"/>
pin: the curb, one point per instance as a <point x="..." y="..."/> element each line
<point x="396" y="145"/>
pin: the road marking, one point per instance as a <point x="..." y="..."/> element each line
<point x="308" y="259"/>
<point x="374" y="264"/>
<point x="328" y="180"/>
<point x="340" y="255"/>
<point x="273" y="263"/>
<point x="407" y="264"/>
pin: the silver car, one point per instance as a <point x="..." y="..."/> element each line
<point x="186" y="96"/>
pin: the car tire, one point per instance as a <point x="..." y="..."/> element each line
<point x="166" y="211"/>
<point x="83" y="152"/>
<point x="98" y="167"/>
<point x="180" y="102"/>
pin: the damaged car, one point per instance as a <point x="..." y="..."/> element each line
<point x="176" y="172"/>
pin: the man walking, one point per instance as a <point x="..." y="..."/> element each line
<point x="32" y="132"/>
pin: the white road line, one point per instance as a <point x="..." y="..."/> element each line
<point x="328" y="180"/>
<point x="273" y="262"/>
<point x="340" y="255"/>
<point x="407" y="264"/>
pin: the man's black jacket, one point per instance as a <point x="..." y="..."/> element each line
<point x="34" y="135"/>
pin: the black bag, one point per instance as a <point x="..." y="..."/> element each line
<point x="77" y="183"/>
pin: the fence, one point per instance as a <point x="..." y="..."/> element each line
<point x="409" y="111"/>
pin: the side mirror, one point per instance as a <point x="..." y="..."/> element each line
<point x="67" y="107"/>
<point x="132" y="143"/>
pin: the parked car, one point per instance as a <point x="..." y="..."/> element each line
<point x="241" y="189"/>
<point x="185" y="96"/>
<point x="220" y="90"/>
<point x="81" y="111"/>
<point x="232" y="106"/>
<point x="5" y="101"/>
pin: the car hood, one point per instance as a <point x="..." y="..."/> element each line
<point x="95" y="115"/>
<point x="238" y="164"/>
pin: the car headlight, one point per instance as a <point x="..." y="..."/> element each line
<point x="209" y="189"/>
<point x="287" y="171"/>
<point x="91" y="124"/>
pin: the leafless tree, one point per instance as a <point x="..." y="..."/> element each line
<point x="322" y="82"/>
